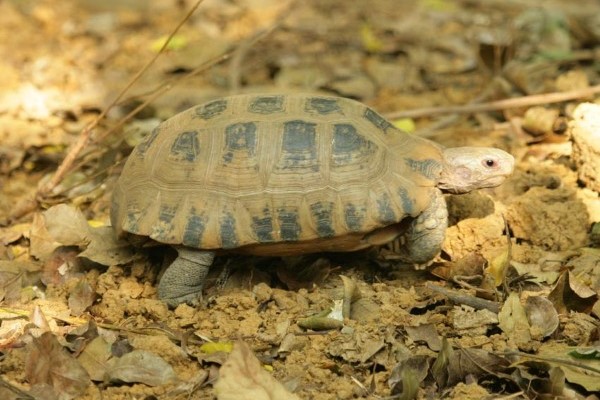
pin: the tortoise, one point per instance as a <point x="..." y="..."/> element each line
<point x="289" y="174"/>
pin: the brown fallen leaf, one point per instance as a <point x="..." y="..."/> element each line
<point x="14" y="275"/>
<point x="542" y="316"/>
<point x="140" y="366"/>
<point x="408" y="374"/>
<point x="49" y="364"/>
<point x="242" y="377"/>
<point x="570" y="294"/>
<point x="94" y="358"/>
<point x="81" y="297"/>
<point x="513" y="322"/>
<point x="104" y="248"/>
<point x="426" y="333"/>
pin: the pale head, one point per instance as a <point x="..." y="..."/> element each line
<point x="471" y="168"/>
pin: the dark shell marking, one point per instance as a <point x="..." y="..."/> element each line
<point x="240" y="137"/>
<point x="299" y="145"/>
<point x="263" y="226"/>
<point x="378" y="120"/>
<point x="212" y="109"/>
<point x="349" y="145"/>
<point x="288" y="224"/>
<point x="194" y="229"/>
<point x="322" y="106"/>
<point x="267" y="105"/>
<point x="429" y="168"/>
<point x="322" y="217"/>
<point x="141" y="149"/>
<point x="185" y="147"/>
<point x="235" y="172"/>
<point x="354" y="217"/>
<point x="386" y="213"/>
<point x="228" y="234"/>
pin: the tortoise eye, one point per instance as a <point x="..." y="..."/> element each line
<point x="490" y="163"/>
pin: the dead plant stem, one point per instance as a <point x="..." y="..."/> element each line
<point x="525" y="101"/>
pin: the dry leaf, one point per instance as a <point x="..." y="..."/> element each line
<point x="81" y="297"/>
<point x="94" y="358"/>
<point x="542" y="316"/>
<point x="140" y="366"/>
<point x="554" y="353"/>
<point x="14" y="275"/>
<point x="48" y="363"/>
<point x="60" y="225"/>
<point x="570" y="294"/>
<point x="513" y="321"/>
<point x="104" y="248"/>
<point x="426" y="333"/>
<point x="66" y="225"/>
<point x="407" y="375"/>
<point x="242" y="377"/>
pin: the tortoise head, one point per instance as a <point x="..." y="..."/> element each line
<point x="470" y="168"/>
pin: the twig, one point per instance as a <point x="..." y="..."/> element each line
<point x="468" y="300"/>
<point x="18" y="392"/>
<point x="557" y="360"/>
<point x="524" y="101"/>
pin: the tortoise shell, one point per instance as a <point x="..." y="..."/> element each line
<point x="275" y="174"/>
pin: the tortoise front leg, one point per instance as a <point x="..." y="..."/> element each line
<point x="183" y="280"/>
<point x="423" y="239"/>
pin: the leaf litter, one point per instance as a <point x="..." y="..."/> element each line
<point x="79" y="309"/>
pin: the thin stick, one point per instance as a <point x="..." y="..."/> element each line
<point x="557" y="360"/>
<point x="524" y="101"/>
<point x="468" y="300"/>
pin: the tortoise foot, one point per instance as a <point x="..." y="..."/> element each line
<point x="183" y="280"/>
<point x="423" y="239"/>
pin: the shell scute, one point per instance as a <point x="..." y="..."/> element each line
<point x="377" y="120"/>
<point x="354" y="217"/>
<point x="429" y="168"/>
<point x="212" y="109"/>
<point x="299" y="145"/>
<point x="240" y="136"/>
<point x="349" y="146"/>
<point x="322" y="106"/>
<point x="322" y="216"/>
<point x="267" y="105"/>
<point x="194" y="229"/>
<point x="385" y="212"/>
<point x="185" y="147"/>
<point x="227" y="231"/>
<point x="289" y="225"/>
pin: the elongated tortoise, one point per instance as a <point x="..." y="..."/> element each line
<point x="289" y="174"/>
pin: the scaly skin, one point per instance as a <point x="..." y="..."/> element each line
<point x="183" y="280"/>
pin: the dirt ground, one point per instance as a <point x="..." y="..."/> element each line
<point x="510" y="308"/>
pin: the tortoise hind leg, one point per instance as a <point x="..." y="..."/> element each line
<point x="183" y="280"/>
<point x="423" y="239"/>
